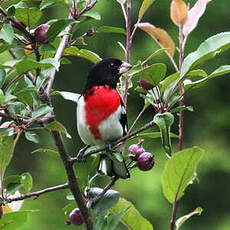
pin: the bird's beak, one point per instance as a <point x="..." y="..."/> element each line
<point x="124" y="67"/>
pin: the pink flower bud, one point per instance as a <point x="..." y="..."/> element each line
<point x="41" y="33"/>
<point x="145" y="85"/>
<point x="145" y="161"/>
<point x="75" y="217"/>
<point x="137" y="150"/>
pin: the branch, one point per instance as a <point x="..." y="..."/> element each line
<point x="119" y="141"/>
<point x="38" y="193"/>
<point x="73" y="183"/>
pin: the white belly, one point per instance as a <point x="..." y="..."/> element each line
<point x="110" y="129"/>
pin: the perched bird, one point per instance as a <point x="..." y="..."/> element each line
<point x="101" y="115"/>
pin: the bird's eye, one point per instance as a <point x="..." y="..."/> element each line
<point x="111" y="65"/>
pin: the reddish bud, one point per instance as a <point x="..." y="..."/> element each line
<point x="75" y="217"/>
<point x="41" y="33"/>
<point x="145" y="85"/>
<point x="145" y="161"/>
<point x="137" y="150"/>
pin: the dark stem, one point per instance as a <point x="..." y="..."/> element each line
<point x="38" y="193"/>
<point x="73" y="183"/>
<point x="181" y="122"/>
<point x="173" y="217"/>
<point x="128" y="47"/>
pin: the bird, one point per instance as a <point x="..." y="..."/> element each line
<point x="101" y="114"/>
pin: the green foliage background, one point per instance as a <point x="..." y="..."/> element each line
<point x="208" y="126"/>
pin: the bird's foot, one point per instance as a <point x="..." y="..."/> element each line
<point x="81" y="156"/>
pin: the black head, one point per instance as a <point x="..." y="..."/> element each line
<point x="106" y="72"/>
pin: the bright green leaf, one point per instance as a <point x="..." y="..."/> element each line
<point x="182" y="219"/>
<point x="24" y="66"/>
<point x="41" y="150"/>
<point x="144" y="7"/>
<point x="13" y="220"/>
<point x="92" y="14"/>
<point x="7" y="33"/>
<point x="57" y="27"/>
<point x="29" y="16"/>
<point x="224" y="69"/>
<point x="132" y="218"/>
<point x="208" y="49"/>
<point x="182" y="108"/>
<point x="7" y="145"/>
<point x="12" y="184"/>
<point x="164" y="121"/>
<point x="153" y="73"/>
<point x="83" y="53"/>
<point x="27" y="182"/>
<point x="111" y="29"/>
<point x="179" y="172"/>
<point x="41" y="110"/>
<point x="197" y="72"/>
<point x="57" y="126"/>
<point x="31" y="136"/>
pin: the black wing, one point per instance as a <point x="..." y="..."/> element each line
<point x="123" y="119"/>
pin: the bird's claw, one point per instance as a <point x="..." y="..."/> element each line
<point x="81" y="156"/>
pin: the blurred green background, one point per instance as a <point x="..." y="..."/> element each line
<point x="208" y="127"/>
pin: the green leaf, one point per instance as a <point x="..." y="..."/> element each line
<point x="115" y="219"/>
<point x="29" y="16"/>
<point x="7" y="33"/>
<point x="144" y="7"/>
<point x="27" y="182"/>
<point x="182" y="108"/>
<point x="153" y="73"/>
<point x="179" y="172"/>
<point x="42" y="150"/>
<point x="48" y="3"/>
<point x="111" y="29"/>
<point x="7" y="145"/>
<point x="6" y="131"/>
<point x="14" y="220"/>
<point x="156" y="135"/>
<point x="132" y="219"/>
<point x="2" y="77"/>
<point x="92" y="14"/>
<point x="83" y="53"/>
<point x="57" y="27"/>
<point x="57" y="126"/>
<point x="69" y="96"/>
<point x="31" y="136"/>
<point x="5" y="47"/>
<point x="12" y="184"/>
<point x="197" y="72"/>
<point x="164" y="121"/>
<point x="24" y="66"/>
<point x="208" y="49"/>
<point x="182" y="219"/>
<point x="224" y="69"/>
<point x="41" y="110"/>
<point x="69" y="207"/>
<point x="109" y="199"/>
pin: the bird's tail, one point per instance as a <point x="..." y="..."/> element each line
<point x="113" y="165"/>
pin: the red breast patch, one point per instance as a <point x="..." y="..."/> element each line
<point x="100" y="103"/>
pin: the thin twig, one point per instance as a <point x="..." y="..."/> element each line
<point x="38" y="193"/>
<point x="138" y="117"/>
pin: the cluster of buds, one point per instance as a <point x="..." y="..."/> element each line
<point x="145" y="160"/>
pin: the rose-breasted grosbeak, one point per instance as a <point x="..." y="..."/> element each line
<point x="101" y="115"/>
